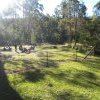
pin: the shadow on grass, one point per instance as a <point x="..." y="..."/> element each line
<point x="6" y="91"/>
<point x="64" y="96"/>
<point x="69" y="96"/>
<point x="34" y="76"/>
<point x="41" y="63"/>
<point x="48" y="63"/>
<point x="45" y="61"/>
<point x="23" y="63"/>
<point x="85" y="79"/>
<point x="6" y="57"/>
<point x="26" y="63"/>
<point x="94" y="64"/>
<point x="81" y="78"/>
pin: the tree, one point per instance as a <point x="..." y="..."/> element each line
<point x="72" y="14"/>
<point x="31" y="16"/>
<point x="23" y="21"/>
<point x="90" y="32"/>
<point x="97" y="9"/>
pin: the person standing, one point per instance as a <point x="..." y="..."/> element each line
<point x="16" y="47"/>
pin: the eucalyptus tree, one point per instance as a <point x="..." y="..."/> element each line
<point x="72" y="14"/>
<point x="32" y="10"/>
<point x="11" y="22"/>
<point x="22" y="20"/>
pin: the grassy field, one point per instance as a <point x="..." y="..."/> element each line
<point x="30" y="77"/>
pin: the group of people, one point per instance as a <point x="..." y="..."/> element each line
<point x="23" y="49"/>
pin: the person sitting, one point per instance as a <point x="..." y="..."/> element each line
<point x="7" y="48"/>
<point x="25" y="49"/>
<point x="20" y="47"/>
<point x="32" y="47"/>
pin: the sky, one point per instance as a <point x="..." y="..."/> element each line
<point x="50" y="5"/>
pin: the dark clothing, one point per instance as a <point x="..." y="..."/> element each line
<point x="15" y="47"/>
<point x="20" y="47"/>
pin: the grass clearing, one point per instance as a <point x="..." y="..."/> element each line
<point x="63" y="79"/>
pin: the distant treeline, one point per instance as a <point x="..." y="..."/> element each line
<point x="25" y="23"/>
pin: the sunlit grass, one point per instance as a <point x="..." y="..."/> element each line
<point x="69" y="80"/>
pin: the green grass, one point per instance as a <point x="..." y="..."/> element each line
<point x="63" y="79"/>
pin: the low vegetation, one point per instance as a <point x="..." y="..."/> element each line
<point x="34" y="77"/>
<point x="50" y="57"/>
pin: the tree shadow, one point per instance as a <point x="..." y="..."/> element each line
<point x="71" y="96"/>
<point x="92" y="63"/>
<point x="34" y="75"/>
<point x="31" y="72"/>
<point x="86" y="79"/>
<point x="6" y="57"/>
<point x="48" y="63"/>
<point x="26" y="63"/>
<point x="6" y="91"/>
<point x="64" y="96"/>
<point x="81" y="78"/>
<point x="45" y="60"/>
<point x="12" y="62"/>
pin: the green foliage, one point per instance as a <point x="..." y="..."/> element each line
<point x="97" y="9"/>
<point x="89" y="33"/>
<point x="33" y="39"/>
<point x="67" y="25"/>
